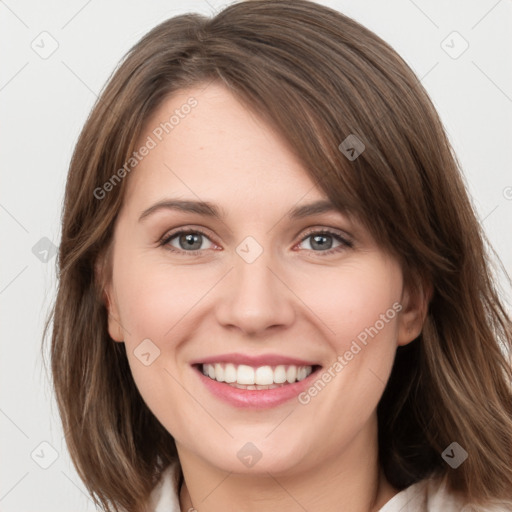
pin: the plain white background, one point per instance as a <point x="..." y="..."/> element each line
<point x="45" y="101"/>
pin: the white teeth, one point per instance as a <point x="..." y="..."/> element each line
<point x="291" y="374"/>
<point x="244" y="374"/>
<point x="219" y="373"/>
<point x="262" y="377"/>
<point x="229" y="373"/>
<point x="255" y="387"/>
<point x="280" y="374"/>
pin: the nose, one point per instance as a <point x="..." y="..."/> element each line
<point x="255" y="297"/>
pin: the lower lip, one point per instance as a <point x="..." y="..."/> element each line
<point x="252" y="398"/>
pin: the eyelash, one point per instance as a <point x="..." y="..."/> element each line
<point x="345" y="244"/>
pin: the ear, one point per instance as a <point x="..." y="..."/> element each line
<point x="108" y="294"/>
<point x="415" y="301"/>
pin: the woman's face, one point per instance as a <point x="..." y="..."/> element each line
<point x="257" y="291"/>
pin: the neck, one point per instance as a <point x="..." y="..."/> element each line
<point x="350" y="480"/>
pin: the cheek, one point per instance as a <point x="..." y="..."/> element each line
<point x="354" y="300"/>
<point x="154" y="297"/>
<point x="155" y="301"/>
<point x="360" y="305"/>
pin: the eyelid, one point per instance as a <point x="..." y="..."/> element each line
<point x="345" y="241"/>
<point x="344" y="238"/>
<point x="166" y="238"/>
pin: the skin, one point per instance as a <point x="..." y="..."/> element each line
<point x="292" y="300"/>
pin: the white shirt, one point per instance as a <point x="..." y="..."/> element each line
<point x="429" y="495"/>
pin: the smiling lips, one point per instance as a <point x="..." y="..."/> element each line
<point x="254" y="381"/>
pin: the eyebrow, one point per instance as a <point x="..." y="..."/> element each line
<point x="211" y="210"/>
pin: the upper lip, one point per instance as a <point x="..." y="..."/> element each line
<point x="260" y="360"/>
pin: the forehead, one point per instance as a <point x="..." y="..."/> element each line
<point x="204" y="143"/>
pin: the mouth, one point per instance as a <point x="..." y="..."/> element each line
<point x="243" y="385"/>
<point x="247" y="377"/>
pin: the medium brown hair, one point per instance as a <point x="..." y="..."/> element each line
<point x="316" y="76"/>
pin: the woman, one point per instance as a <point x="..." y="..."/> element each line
<point x="274" y="293"/>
